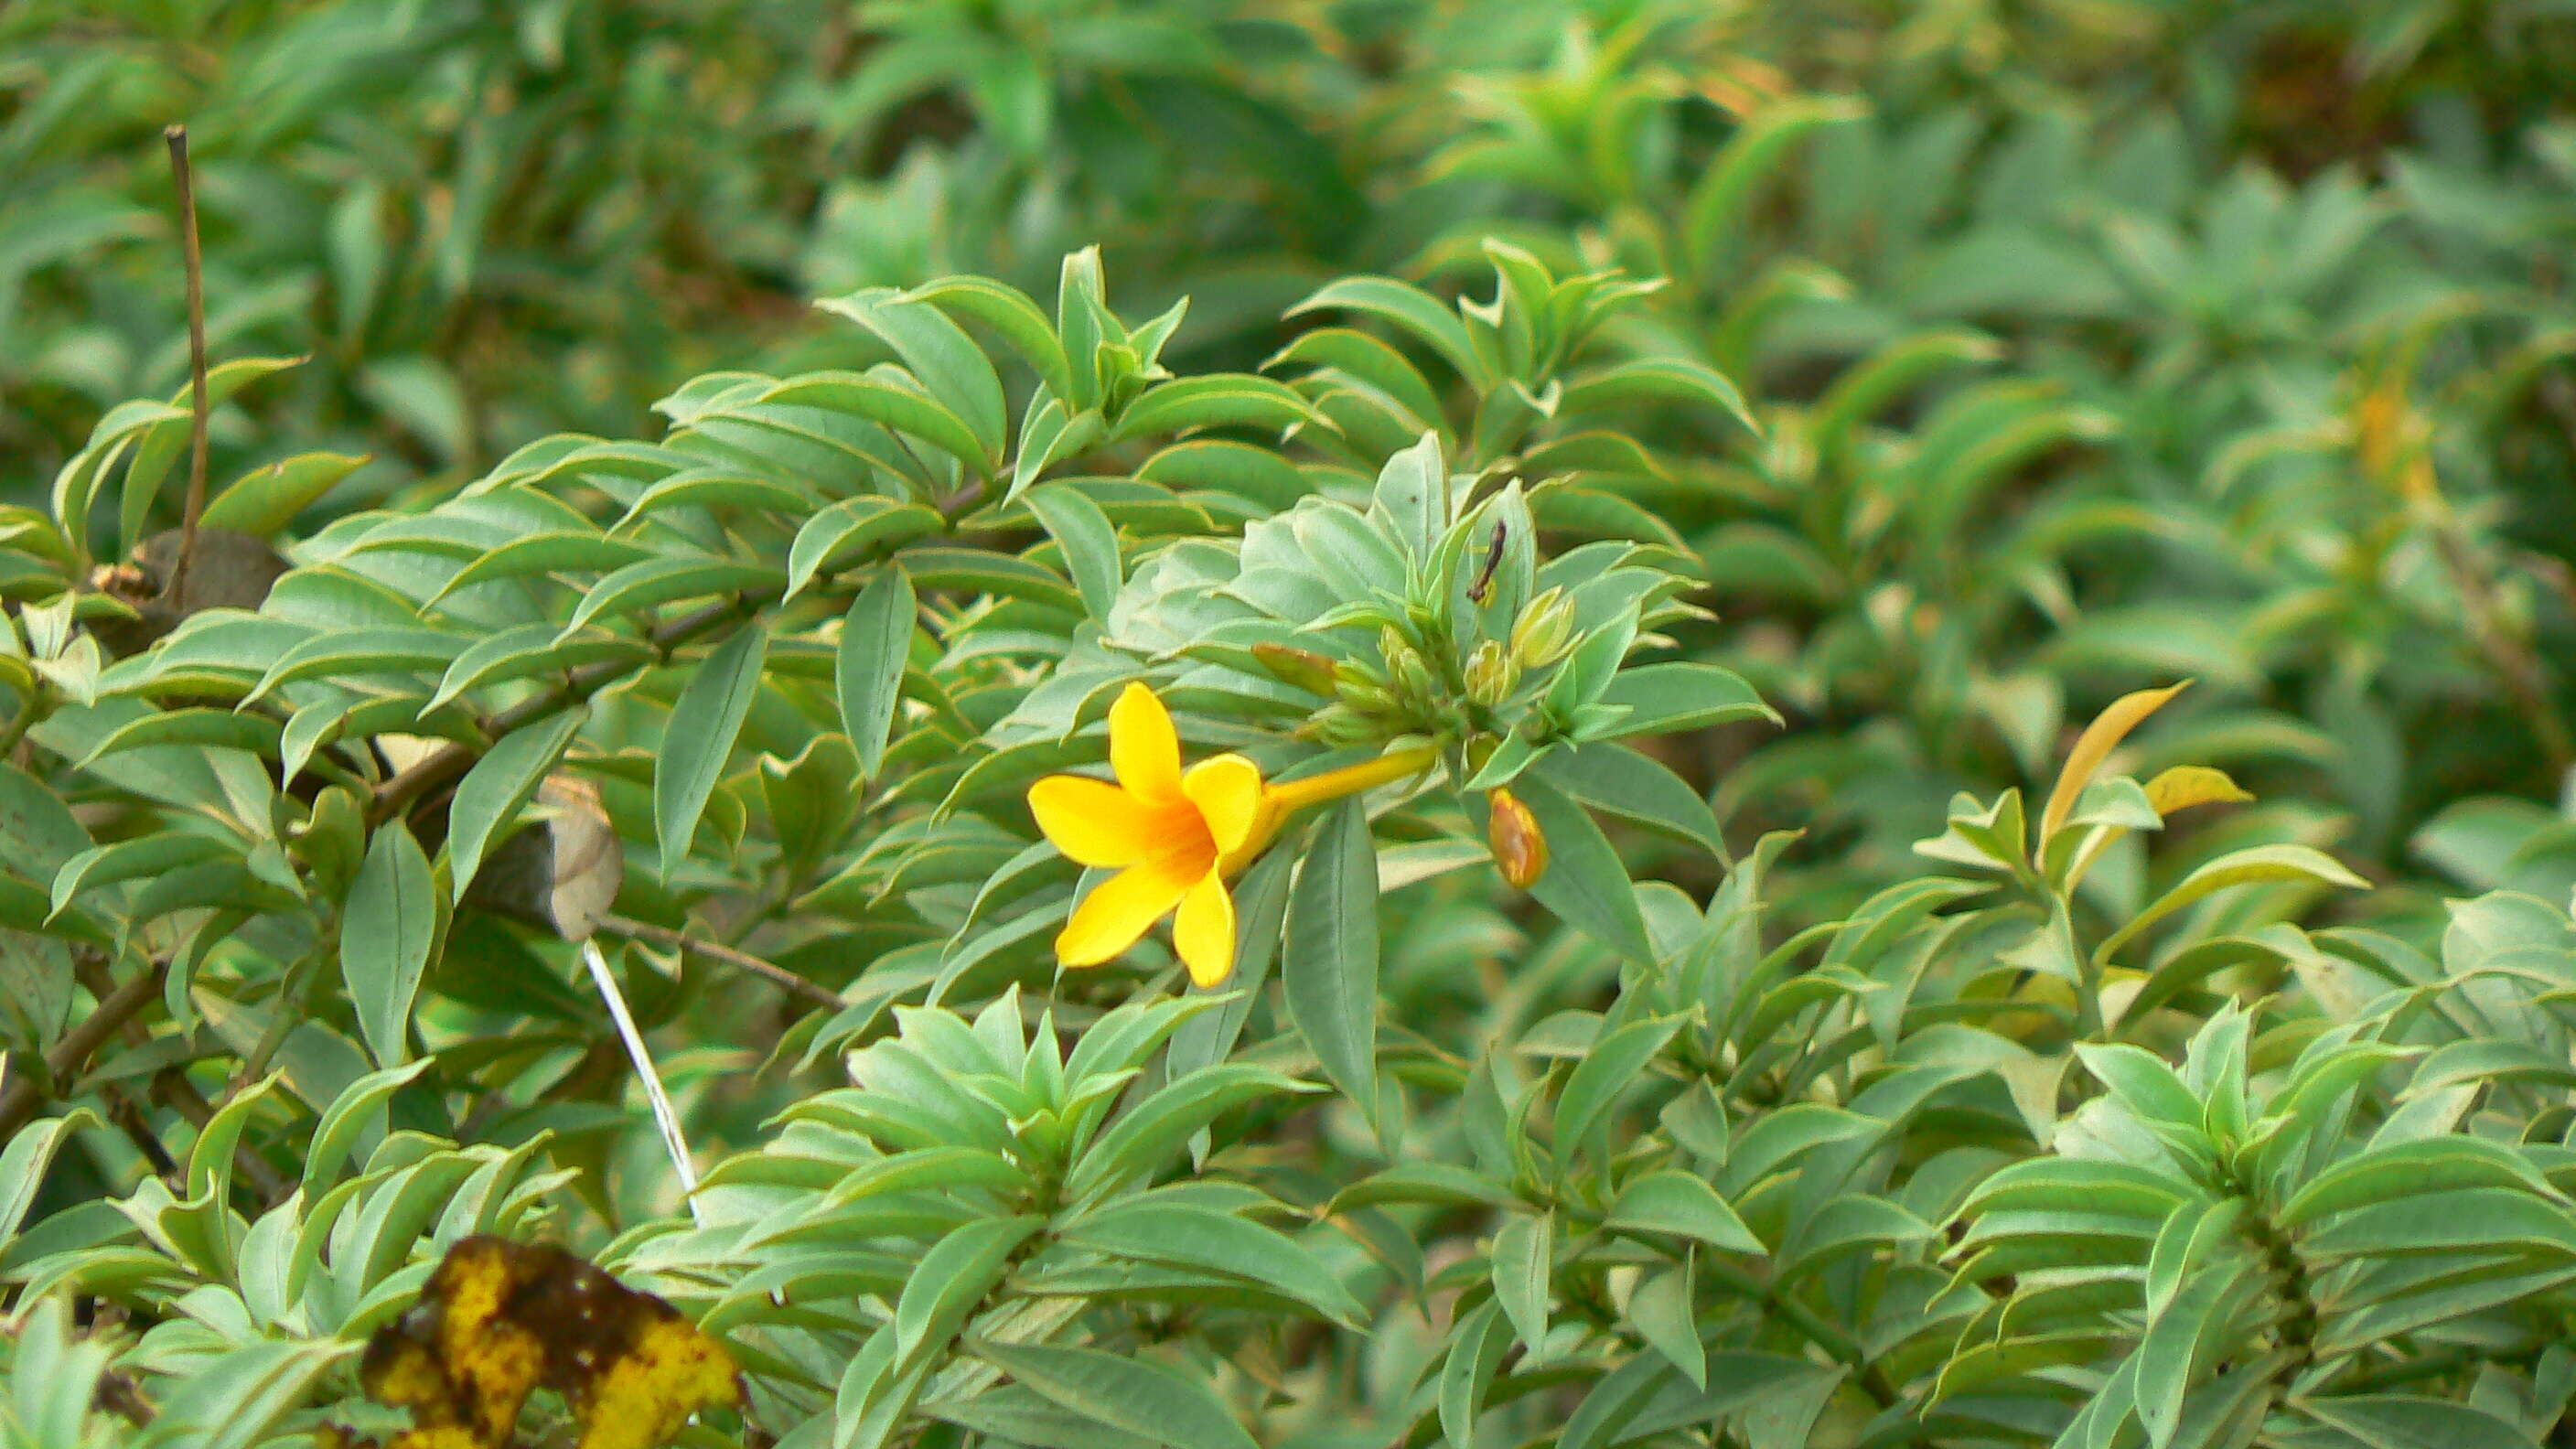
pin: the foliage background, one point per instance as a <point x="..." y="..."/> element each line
<point x="2092" y="346"/>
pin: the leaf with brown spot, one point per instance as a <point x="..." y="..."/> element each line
<point x="499" y="1319"/>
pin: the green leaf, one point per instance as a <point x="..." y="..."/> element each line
<point x="1718" y="200"/>
<point x="1635" y="787"/>
<point x="1189" y="1236"/>
<point x="555" y="551"/>
<point x="978" y="571"/>
<point x="1605" y="1071"/>
<point x="386" y="932"/>
<point x="1090" y="545"/>
<point x="2400" y="1421"/>
<point x="2142" y="1082"/>
<point x="853" y="526"/>
<point x="1670" y="1201"/>
<point x="1524" y="1260"/>
<point x="23" y="1164"/>
<point x="361" y="651"/>
<point x="1417" y="312"/>
<point x="1216" y="400"/>
<point x="2404" y="1169"/>
<point x="1586" y="885"/>
<point x="1008" y="311"/>
<point x="1411" y="501"/>
<point x="905" y="412"/>
<point x="1662" y="699"/>
<point x="660" y="581"/>
<point x="705" y="720"/>
<point x="1136" y="1395"/>
<point x="1329" y="971"/>
<point x="953" y="1277"/>
<point x="262" y="502"/>
<point x="1678" y="379"/>
<point x="868" y="666"/>
<point x="532" y="649"/>
<point x="938" y="352"/>
<point x="1662" y="1312"/>
<point x="125" y="860"/>
<point x="206" y="728"/>
<point x="1149" y="1134"/>
<point x="2238" y="867"/>
<point x="348" y="1118"/>
<point x="501" y="782"/>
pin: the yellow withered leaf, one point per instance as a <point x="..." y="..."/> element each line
<point x="2184" y="786"/>
<point x="500" y="1319"/>
<point x="2093" y="746"/>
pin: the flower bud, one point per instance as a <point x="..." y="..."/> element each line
<point x="1512" y="833"/>
<point x="1480" y="748"/>
<point x="1367" y="698"/>
<point x="1303" y="668"/>
<point x="1544" y="629"/>
<point x="1405" y="666"/>
<point x="1489" y="675"/>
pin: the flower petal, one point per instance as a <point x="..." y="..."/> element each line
<point x="1122" y="907"/>
<point x="1204" y="930"/>
<point x="1227" y="791"/>
<point x="1143" y="747"/>
<point x="1097" y="823"/>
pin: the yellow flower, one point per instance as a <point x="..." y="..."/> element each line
<point x="1175" y="836"/>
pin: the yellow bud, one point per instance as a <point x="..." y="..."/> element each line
<point x="1543" y="630"/>
<point x="1489" y="674"/>
<point x="1512" y="833"/>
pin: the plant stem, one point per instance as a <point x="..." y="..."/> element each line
<point x="776" y="975"/>
<point x="120" y="1006"/>
<point x="177" y="136"/>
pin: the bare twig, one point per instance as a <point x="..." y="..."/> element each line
<point x="776" y="975"/>
<point x="177" y="136"/>
<point x="68" y="1056"/>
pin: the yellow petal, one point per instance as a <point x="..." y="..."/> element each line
<point x="1121" y="909"/>
<point x="1097" y="823"/>
<point x="1204" y="931"/>
<point x="1227" y="792"/>
<point x="1143" y="748"/>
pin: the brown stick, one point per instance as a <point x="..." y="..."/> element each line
<point x="120" y="1006"/>
<point x="776" y="975"/>
<point x="177" y="136"/>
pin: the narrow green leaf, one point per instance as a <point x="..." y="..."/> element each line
<point x="1586" y="885"/>
<point x="1189" y="1236"/>
<point x="1329" y="974"/>
<point x="262" y="502"/>
<point x="1090" y="544"/>
<point x="952" y="1277"/>
<point x="868" y="666"/>
<point x="1677" y="1202"/>
<point x="492" y="793"/>
<point x="1524" y="1261"/>
<point x="1604" y="1072"/>
<point x="700" y="736"/>
<point x="385" y="935"/>
<point x="937" y="351"/>
<point x="1138" y="1395"/>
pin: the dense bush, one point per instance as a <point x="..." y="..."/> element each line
<point x="1811" y="688"/>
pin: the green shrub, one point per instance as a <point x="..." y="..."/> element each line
<point x="1808" y="757"/>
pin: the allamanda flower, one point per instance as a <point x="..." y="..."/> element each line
<point x="1176" y="836"/>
